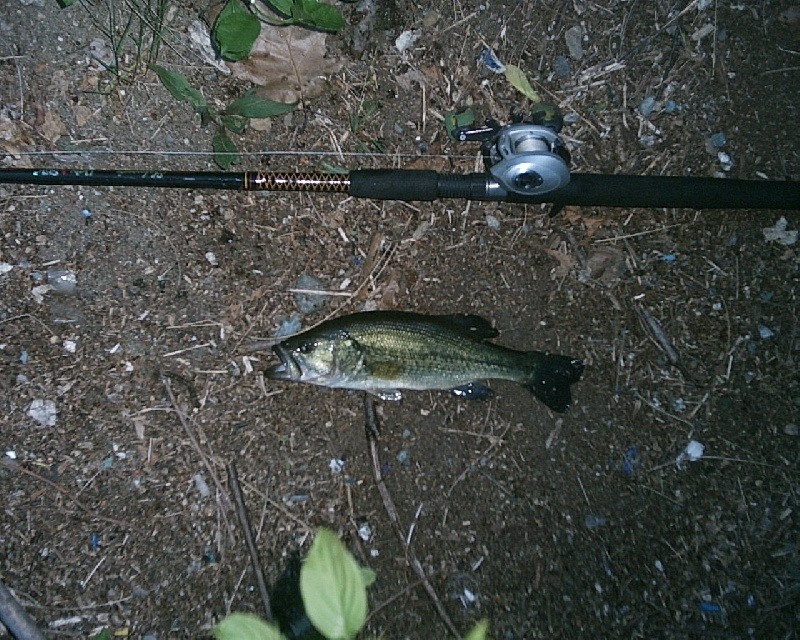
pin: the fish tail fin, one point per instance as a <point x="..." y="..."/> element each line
<point x="552" y="377"/>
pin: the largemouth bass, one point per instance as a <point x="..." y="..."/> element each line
<point x="382" y="352"/>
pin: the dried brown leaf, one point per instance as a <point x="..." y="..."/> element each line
<point x="53" y="126"/>
<point x="289" y="64"/>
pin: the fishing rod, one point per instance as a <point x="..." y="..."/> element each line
<point x="525" y="162"/>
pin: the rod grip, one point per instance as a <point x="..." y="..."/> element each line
<point x="416" y="184"/>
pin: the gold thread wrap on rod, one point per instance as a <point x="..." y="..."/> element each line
<point x="296" y="181"/>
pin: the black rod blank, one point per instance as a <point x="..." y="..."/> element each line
<point x="584" y="189"/>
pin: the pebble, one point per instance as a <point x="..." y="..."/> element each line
<point x="290" y="326"/>
<point x="201" y="486"/>
<point x="765" y="333"/>
<point x="593" y="522"/>
<point x="562" y="66"/>
<point x="647" y="105"/>
<point x="62" y="281"/>
<point x="43" y="412"/>
<point x="718" y="140"/>
<point x="791" y="429"/>
<point x="647" y="140"/>
<point x="574" y="38"/>
<point x="308" y="302"/>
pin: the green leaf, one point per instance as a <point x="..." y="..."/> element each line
<point x="252" y="106"/>
<point x="329" y="168"/>
<point x="235" y="31"/>
<point x="318" y="15"/>
<point x="333" y="589"/>
<point x="520" y="82"/>
<point x="284" y="7"/>
<point x="245" y="626"/>
<point x="236" y="124"/>
<point x="225" y="151"/>
<point x="105" y="634"/>
<point x="478" y="631"/>
<point x="180" y="88"/>
<point x="368" y="576"/>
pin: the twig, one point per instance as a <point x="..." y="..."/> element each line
<point x="193" y="439"/>
<point x="662" y="340"/>
<point x="15" y="618"/>
<point x="244" y="520"/>
<point x="407" y="589"/>
<point x="372" y="431"/>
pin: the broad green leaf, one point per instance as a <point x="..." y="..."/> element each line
<point x="235" y="31"/>
<point x="368" y="576"/>
<point x="284" y="7"/>
<point x="180" y="88"/>
<point x="236" y="124"/>
<point x="478" y="632"/>
<point x="333" y="589"/>
<point x="245" y="626"/>
<point x="252" y="106"/>
<point x="225" y="151"/>
<point x="319" y="15"/>
<point x="105" y="634"/>
<point x="520" y="82"/>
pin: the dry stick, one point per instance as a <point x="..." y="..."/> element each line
<point x="67" y="494"/>
<point x="372" y="430"/>
<point x="193" y="439"/>
<point x="661" y="339"/>
<point x="15" y="618"/>
<point x="244" y="520"/>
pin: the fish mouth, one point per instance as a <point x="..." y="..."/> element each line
<point x="288" y="369"/>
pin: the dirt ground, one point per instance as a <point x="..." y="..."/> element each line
<point x="550" y="526"/>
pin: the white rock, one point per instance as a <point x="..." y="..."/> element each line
<point x="43" y="411"/>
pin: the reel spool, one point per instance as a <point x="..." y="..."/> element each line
<point x="527" y="159"/>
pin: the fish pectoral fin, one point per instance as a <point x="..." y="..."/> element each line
<point x="470" y="325"/>
<point x="384" y="369"/>
<point x="473" y="391"/>
<point x="386" y="394"/>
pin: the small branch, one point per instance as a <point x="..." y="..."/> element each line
<point x="193" y="439"/>
<point x="663" y="342"/>
<point x="373" y="431"/>
<point x="244" y="520"/>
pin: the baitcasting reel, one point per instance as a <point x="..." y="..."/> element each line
<point x="525" y="158"/>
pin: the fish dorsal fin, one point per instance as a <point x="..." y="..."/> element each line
<point x="469" y="325"/>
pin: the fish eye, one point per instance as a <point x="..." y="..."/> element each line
<point x="307" y="347"/>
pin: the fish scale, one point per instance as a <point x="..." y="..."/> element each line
<point x="423" y="356"/>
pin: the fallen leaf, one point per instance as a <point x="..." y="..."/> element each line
<point x="520" y="82"/>
<point x="288" y="63"/>
<point x="82" y="115"/>
<point x="606" y="265"/>
<point x="53" y="127"/>
<point x="566" y="262"/>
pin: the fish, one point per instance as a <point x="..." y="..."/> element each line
<point x="385" y="352"/>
